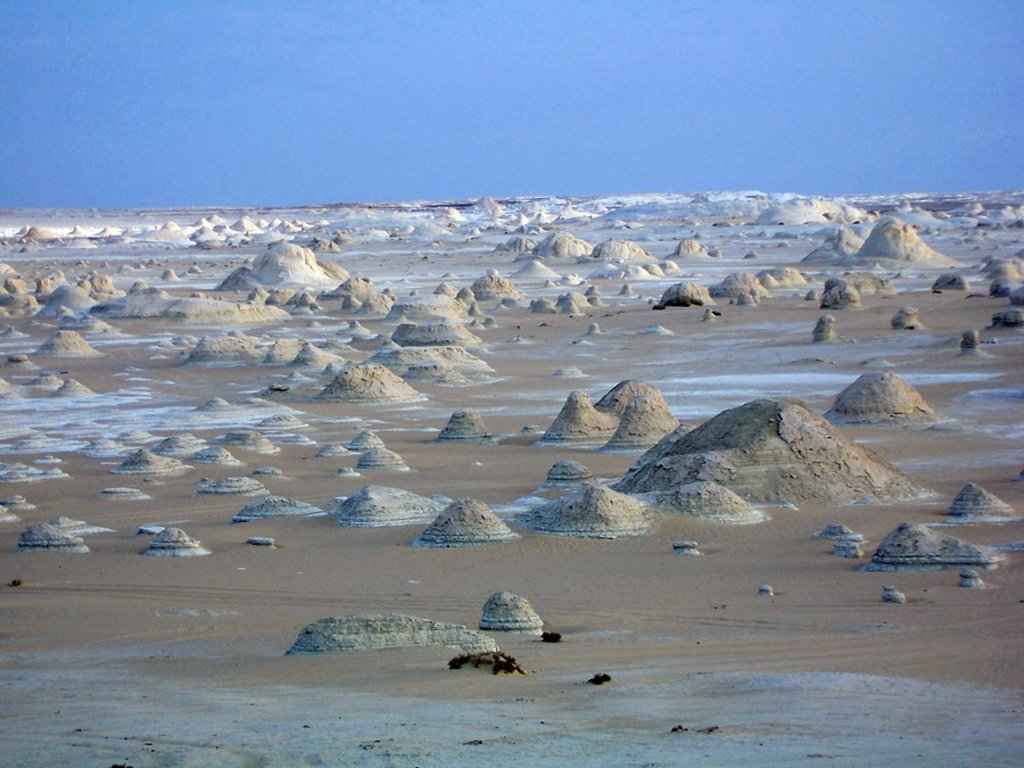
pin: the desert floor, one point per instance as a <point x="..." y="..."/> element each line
<point x="111" y="657"/>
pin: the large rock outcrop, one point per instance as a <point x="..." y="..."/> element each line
<point x="769" y="451"/>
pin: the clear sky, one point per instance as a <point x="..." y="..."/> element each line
<point x="149" y="103"/>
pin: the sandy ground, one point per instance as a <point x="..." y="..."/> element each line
<point x="111" y="657"/>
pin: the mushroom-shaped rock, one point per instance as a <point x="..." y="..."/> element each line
<point x="49" y="538"/>
<point x="975" y="501"/>
<point x="376" y="506"/>
<point x="274" y="506"/>
<point x="465" y="523"/>
<point x="174" y="542"/>
<point x="580" y="421"/>
<point x="878" y="398"/>
<point x="465" y="425"/>
<point x="769" y="451"/>
<point x="506" y="612"/>
<point x="709" y="501"/>
<point x="368" y="383"/>
<point x="969" y="341"/>
<point x="374" y="631"/>
<point x="916" y="547"/>
<point x="593" y="512"/>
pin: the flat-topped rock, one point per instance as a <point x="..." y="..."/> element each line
<point x="375" y="631"/>
<point x="274" y="506"/>
<point x="244" y="486"/>
<point x="50" y="538"/>
<point x="375" y="506"/>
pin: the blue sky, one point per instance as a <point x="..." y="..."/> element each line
<point x="144" y="104"/>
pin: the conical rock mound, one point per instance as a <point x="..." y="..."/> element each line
<point x="769" y="451"/>
<point x="67" y="344"/>
<point x="370" y="383"/>
<point x="144" y="462"/>
<point x="876" y="398"/>
<point x="593" y="512"/>
<point x="377" y="506"/>
<point x="568" y="472"/>
<point x="506" y="612"/>
<point x="382" y="460"/>
<point x="644" y="422"/>
<point x="708" y="501"/>
<point x="374" y="631"/>
<point x="580" y="421"/>
<point x="285" y="263"/>
<point x="895" y="240"/>
<point x="975" y="501"/>
<point x="465" y="425"/>
<point x="915" y="547"/>
<point x="465" y="523"/>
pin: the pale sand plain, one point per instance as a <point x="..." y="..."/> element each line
<point x="111" y="657"/>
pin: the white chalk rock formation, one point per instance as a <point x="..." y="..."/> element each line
<point x="621" y="251"/>
<point x="769" y="451"/>
<point x="284" y="263"/>
<point x="593" y="512"/>
<point x="49" y="538"/>
<point x="568" y="472"/>
<point x="179" y="446"/>
<point x="707" y="501"/>
<point x="893" y="240"/>
<point x="376" y="506"/>
<point x="465" y="523"/>
<point x="67" y="344"/>
<point x="274" y="506"/>
<point x="144" y="462"/>
<point x="249" y="440"/>
<point x="154" y="303"/>
<point x="174" y="542"/>
<point x="368" y="383"/>
<point x="562" y="245"/>
<point x="580" y="421"/>
<point x="686" y="295"/>
<point x="645" y="420"/>
<point x="824" y="330"/>
<point x="382" y="460"/>
<point x="975" y="501"/>
<point x="493" y="287"/>
<point x="879" y="398"/>
<point x="225" y="350"/>
<point x="915" y="547"/>
<point x="235" y="486"/>
<point x="465" y="424"/>
<point x="374" y="631"/>
<point x="435" y="333"/>
<point x="506" y="612"/>
<point x="840" y="247"/>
